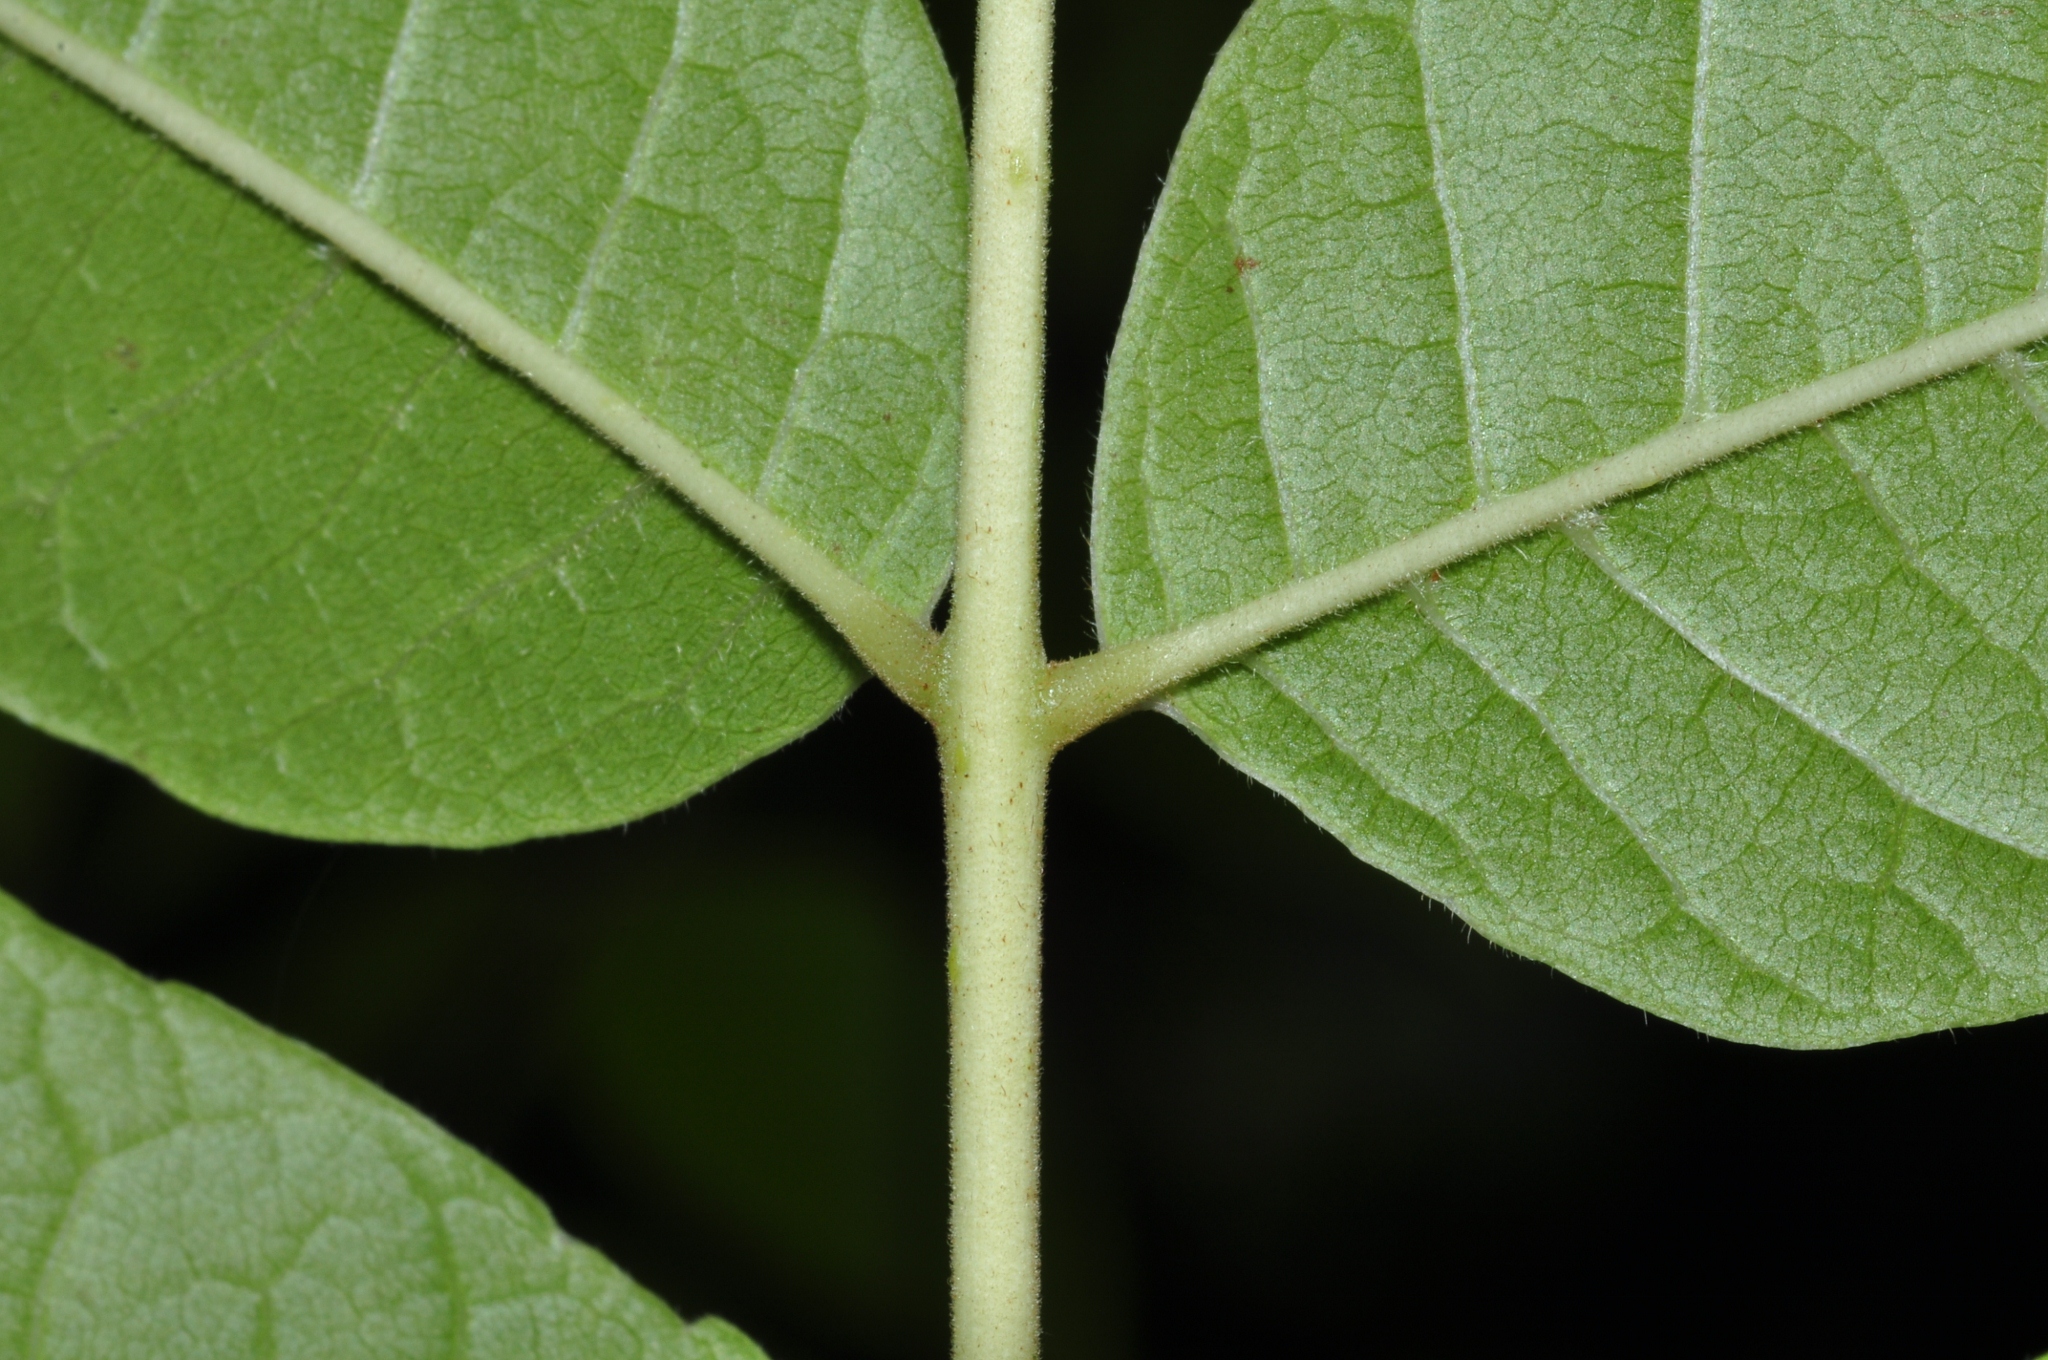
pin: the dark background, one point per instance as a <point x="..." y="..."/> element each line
<point x="1290" y="1106"/>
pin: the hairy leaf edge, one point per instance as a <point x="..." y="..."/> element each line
<point x="1084" y="693"/>
<point x="715" y="1338"/>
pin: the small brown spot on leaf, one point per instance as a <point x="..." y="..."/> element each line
<point x="126" y="354"/>
<point x="1244" y="264"/>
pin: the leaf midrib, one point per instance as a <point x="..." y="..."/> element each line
<point x="1690" y="396"/>
<point x="894" y="644"/>
<point x="898" y="647"/>
<point x="1582" y="542"/>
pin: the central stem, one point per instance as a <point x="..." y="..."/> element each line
<point x="993" y="744"/>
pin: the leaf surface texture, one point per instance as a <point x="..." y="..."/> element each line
<point x="1764" y="751"/>
<point x="178" y="1181"/>
<point x="284" y="542"/>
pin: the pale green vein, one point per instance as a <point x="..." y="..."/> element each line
<point x="550" y="555"/>
<point x="1474" y="859"/>
<point x="1800" y="713"/>
<point x="185" y="394"/>
<point x="1915" y="561"/>
<point x="1696" y="169"/>
<point x="629" y="178"/>
<point x="1268" y="445"/>
<point x="680" y="687"/>
<point x="147" y="25"/>
<point x="387" y="99"/>
<point x="1088" y="692"/>
<point x="336" y="506"/>
<point x="1681" y="895"/>
<point x="1697" y="151"/>
<point x="1482" y="479"/>
<point x="2011" y="370"/>
<point x="233" y="1085"/>
<point x="785" y="427"/>
<point x="74" y="268"/>
<point x="900" y="649"/>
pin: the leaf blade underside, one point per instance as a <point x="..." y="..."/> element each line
<point x="1765" y="751"/>
<point x="292" y="549"/>
<point x="180" y="1180"/>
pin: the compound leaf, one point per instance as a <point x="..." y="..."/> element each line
<point x="280" y="539"/>
<point x="1765" y="750"/>
<point x="178" y="1181"/>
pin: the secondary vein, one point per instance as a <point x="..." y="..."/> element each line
<point x="1084" y="693"/>
<point x="629" y="179"/>
<point x="897" y="647"/>
<point x="1482" y="478"/>
<point x="1696" y="157"/>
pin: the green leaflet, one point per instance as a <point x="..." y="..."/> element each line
<point x="282" y="541"/>
<point x="1765" y="751"/>
<point x="177" y="1181"/>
